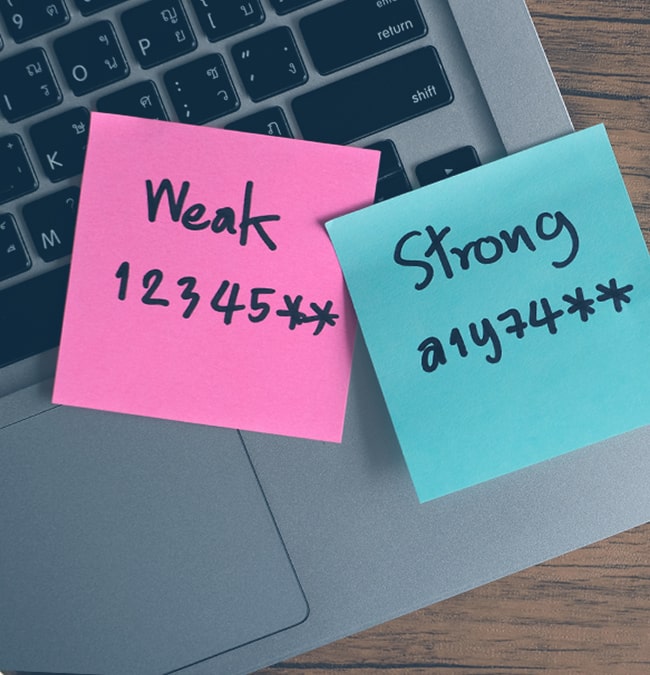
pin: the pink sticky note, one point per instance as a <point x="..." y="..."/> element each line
<point x="203" y="284"/>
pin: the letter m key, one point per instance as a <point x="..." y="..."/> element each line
<point x="50" y="240"/>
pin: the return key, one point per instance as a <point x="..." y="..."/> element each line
<point x="354" y="30"/>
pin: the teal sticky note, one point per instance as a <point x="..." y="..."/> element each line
<point x="506" y="311"/>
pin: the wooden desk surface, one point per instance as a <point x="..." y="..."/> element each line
<point x="588" y="611"/>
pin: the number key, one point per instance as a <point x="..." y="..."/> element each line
<point x="91" y="57"/>
<point x="27" y="85"/>
<point x="26" y="19"/>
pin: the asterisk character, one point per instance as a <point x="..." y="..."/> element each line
<point x="580" y="304"/>
<point x="612" y="292"/>
<point x="323" y="315"/>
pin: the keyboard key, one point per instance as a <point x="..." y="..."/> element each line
<point x="391" y="186"/>
<point x="392" y="180"/>
<point x="201" y="90"/>
<point x="13" y="256"/>
<point x="60" y="143"/>
<point x="449" y="164"/>
<point x="17" y="177"/>
<point x="221" y="18"/>
<point x="31" y="315"/>
<point x="269" y="63"/>
<point x="87" y="7"/>
<point x="27" y="85"/>
<point x="91" y="57"/>
<point x="374" y="99"/>
<point x="51" y="222"/>
<point x="26" y="19"/>
<point x="354" y="30"/>
<point x="271" y="121"/>
<point x="138" y="100"/>
<point x="389" y="161"/>
<point x="286" y="6"/>
<point x="158" y="31"/>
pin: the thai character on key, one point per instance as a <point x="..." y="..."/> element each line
<point x="34" y="69"/>
<point x="169" y="15"/>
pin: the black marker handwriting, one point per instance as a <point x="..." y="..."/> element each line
<point x="426" y="250"/>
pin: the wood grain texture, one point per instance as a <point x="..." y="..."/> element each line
<point x="586" y="612"/>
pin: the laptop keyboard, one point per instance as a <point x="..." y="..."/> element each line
<point x="337" y="71"/>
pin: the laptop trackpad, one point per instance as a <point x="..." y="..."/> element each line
<point x="137" y="546"/>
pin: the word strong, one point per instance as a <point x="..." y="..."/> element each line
<point x="422" y="248"/>
<point x="223" y="219"/>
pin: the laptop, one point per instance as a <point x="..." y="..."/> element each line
<point x="134" y="545"/>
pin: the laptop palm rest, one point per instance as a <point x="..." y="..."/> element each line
<point x="141" y="544"/>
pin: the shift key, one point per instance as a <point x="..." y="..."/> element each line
<point x="354" y="30"/>
<point x="374" y="99"/>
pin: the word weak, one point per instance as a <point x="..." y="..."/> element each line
<point x="223" y="218"/>
<point x="227" y="302"/>
<point x="434" y="353"/>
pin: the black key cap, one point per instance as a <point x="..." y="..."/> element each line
<point x="392" y="180"/>
<point x="87" y="7"/>
<point x="27" y="85"/>
<point x="354" y="30"/>
<point x="138" y="100"/>
<point x="26" y="19"/>
<point x="51" y="222"/>
<point x="269" y="63"/>
<point x="13" y="256"/>
<point x="91" y="57"/>
<point x="221" y="18"/>
<point x="271" y="121"/>
<point x="449" y="164"/>
<point x="391" y="186"/>
<point x="31" y="315"/>
<point x="374" y="99"/>
<point x="17" y="177"/>
<point x="60" y="143"/>
<point x="286" y="6"/>
<point x="202" y="90"/>
<point x="158" y="31"/>
<point x="389" y="161"/>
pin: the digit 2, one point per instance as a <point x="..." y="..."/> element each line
<point x="151" y="280"/>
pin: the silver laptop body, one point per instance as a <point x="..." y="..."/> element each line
<point x="139" y="546"/>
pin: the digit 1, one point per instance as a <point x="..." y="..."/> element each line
<point x="123" y="275"/>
